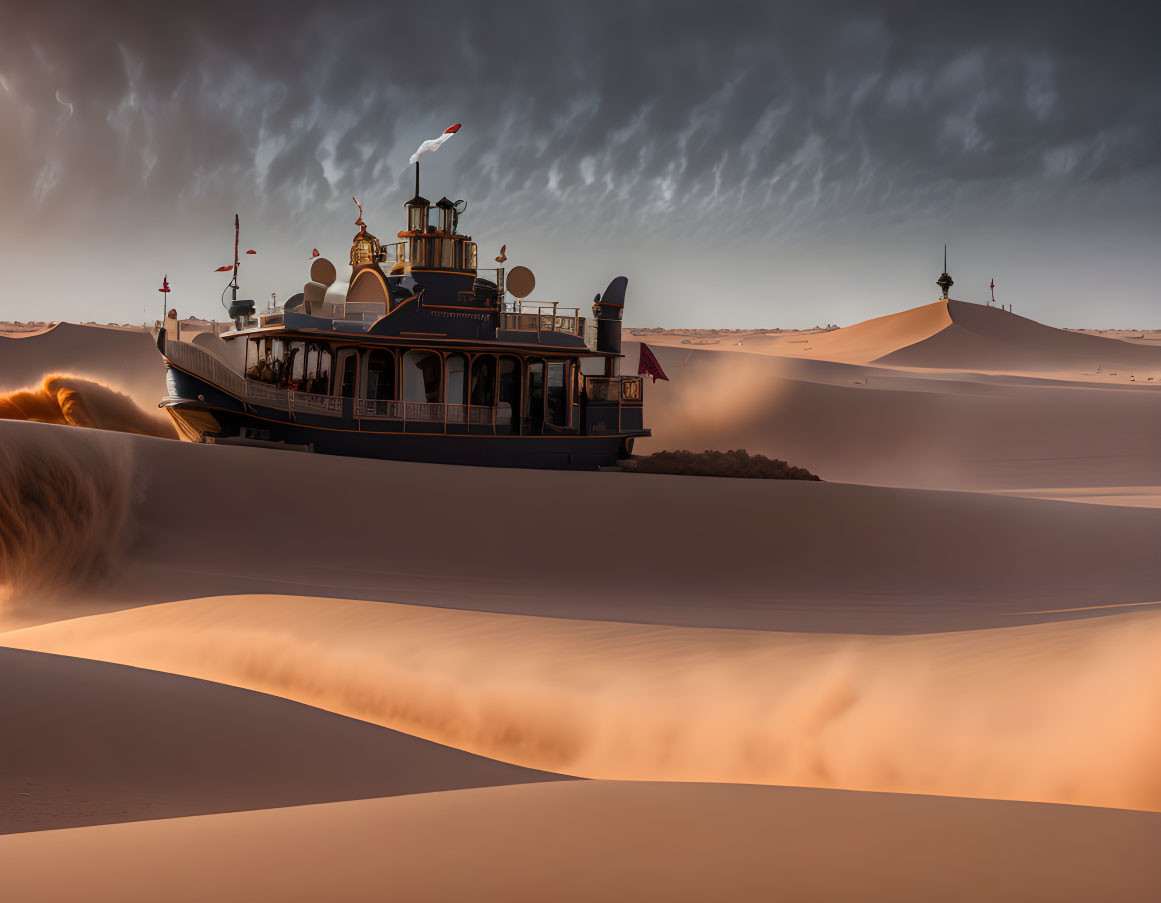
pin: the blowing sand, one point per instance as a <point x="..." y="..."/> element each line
<point x="244" y="674"/>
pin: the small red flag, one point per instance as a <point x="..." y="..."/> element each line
<point x="224" y="269"/>
<point x="314" y="253"/>
<point x="165" y="284"/>
<point x="251" y="252"/>
<point x="647" y="365"/>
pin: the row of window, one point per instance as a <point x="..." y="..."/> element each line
<point x="539" y="390"/>
<point x="443" y="253"/>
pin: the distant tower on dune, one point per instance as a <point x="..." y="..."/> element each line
<point x="945" y="282"/>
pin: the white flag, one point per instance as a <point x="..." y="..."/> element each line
<point x="434" y="142"/>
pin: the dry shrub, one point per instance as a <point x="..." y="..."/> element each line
<point x="736" y="463"/>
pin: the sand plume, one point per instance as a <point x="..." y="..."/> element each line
<point x="76" y="401"/>
<point x="1062" y="712"/>
<point x="64" y="510"/>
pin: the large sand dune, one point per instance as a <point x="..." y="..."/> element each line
<point x="201" y="520"/>
<point x="1050" y="712"/>
<point x="171" y="607"/>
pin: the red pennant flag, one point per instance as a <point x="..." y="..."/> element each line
<point x="647" y="365"/>
<point x="251" y="252"/>
<point x="165" y="284"/>
<point x="224" y="269"/>
<point x="314" y="253"/>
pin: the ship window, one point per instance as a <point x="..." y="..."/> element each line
<point x="447" y="258"/>
<point x="534" y="412"/>
<point x="318" y="370"/>
<point x="483" y="391"/>
<point x="556" y="397"/>
<point x="508" y="394"/>
<point x="259" y="363"/>
<point x="348" y="364"/>
<point x="470" y="256"/>
<point x="421" y="370"/>
<point x="295" y="365"/>
<point x="380" y="384"/>
<point x="416" y="217"/>
<point x="456" y="368"/>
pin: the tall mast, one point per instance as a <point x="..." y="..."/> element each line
<point x="234" y="281"/>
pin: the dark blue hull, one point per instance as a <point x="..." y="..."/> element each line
<point x="203" y="412"/>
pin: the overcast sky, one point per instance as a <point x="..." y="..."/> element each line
<point x="744" y="164"/>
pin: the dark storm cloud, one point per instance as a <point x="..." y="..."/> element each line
<point x="705" y="115"/>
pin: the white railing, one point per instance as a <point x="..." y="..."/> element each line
<point x="201" y="363"/>
<point x="424" y="412"/>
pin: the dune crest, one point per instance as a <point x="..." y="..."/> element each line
<point x="64" y="511"/>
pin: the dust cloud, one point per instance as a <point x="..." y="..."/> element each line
<point x="75" y="401"/>
<point x="64" y="512"/>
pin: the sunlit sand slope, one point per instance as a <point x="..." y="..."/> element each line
<point x="90" y="743"/>
<point x="986" y="338"/>
<point x="586" y="841"/>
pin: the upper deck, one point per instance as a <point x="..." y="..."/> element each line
<point x="427" y="285"/>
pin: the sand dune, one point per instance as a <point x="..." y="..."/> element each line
<point x="985" y="338"/>
<point x="607" y="841"/>
<point x="159" y="746"/>
<point x="1049" y="712"/>
<point x="951" y="335"/>
<point x="997" y="644"/>
<point x="759" y="553"/>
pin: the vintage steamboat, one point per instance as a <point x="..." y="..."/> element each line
<point x="415" y="354"/>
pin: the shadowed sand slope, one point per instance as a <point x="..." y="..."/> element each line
<point x="916" y="428"/>
<point x="90" y="743"/>
<point x="122" y="358"/>
<point x="1060" y="712"/>
<point x="714" y="552"/>
<point x="588" y="841"/>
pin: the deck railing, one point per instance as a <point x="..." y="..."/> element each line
<point x="424" y="412"/>
<point x="541" y="317"/>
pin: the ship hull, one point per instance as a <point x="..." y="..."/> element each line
<point x="203" y="412"/>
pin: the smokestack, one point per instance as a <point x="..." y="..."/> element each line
<point x="609" y="310"/>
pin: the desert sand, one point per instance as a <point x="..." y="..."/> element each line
<point x="238" y="673"/>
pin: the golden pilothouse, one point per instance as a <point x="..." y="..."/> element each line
<point x="413" y="352"/>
